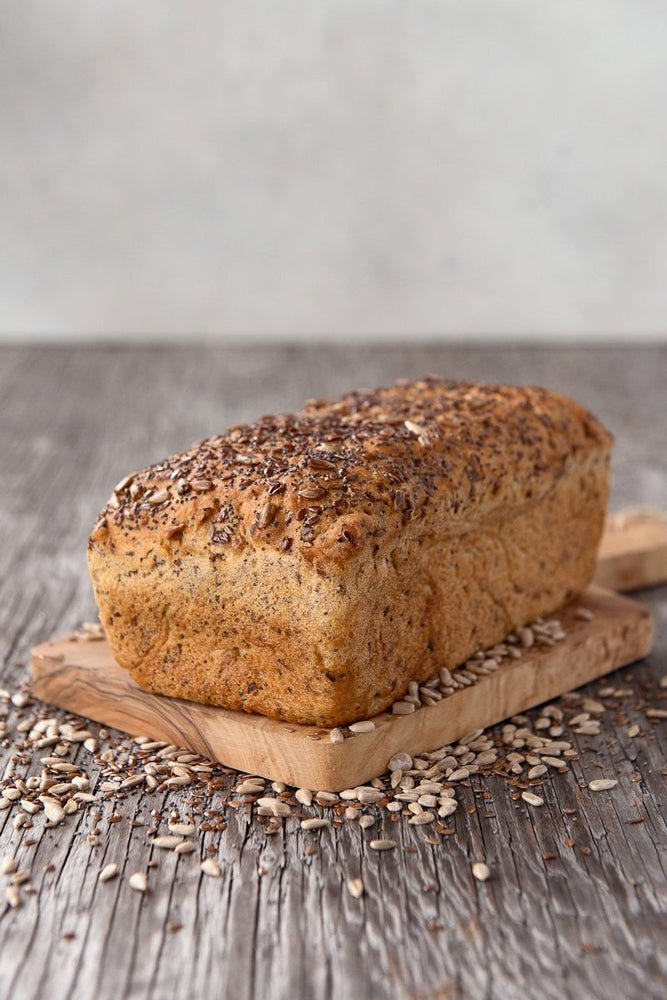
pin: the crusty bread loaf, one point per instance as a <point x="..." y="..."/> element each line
<point x="308" y="566"/>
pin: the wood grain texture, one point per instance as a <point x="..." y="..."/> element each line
<point x="83" y="677"/>
<point x="588" y="923"/>
<point x="633" y="551"/>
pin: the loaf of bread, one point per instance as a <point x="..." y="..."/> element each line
<point x="309" y="566"/>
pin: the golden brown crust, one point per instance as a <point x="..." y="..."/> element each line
<point x="252" y="570"/>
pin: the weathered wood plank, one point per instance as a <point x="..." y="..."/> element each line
<point x="581" y="924"/>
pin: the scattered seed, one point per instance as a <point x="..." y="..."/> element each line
<point x="400" y="762"/>
<point x="459" y="774"/>
<point x="326" y="798"/>
<point x="315" y="823"/>
<point x="182" y="829"/>
<point x="275" y="807"/>
<point x="369" y="796"/>
<point x="167" y="843"/>
<point x="367" y="726"/>
<point x="402" y="708"/>
<point x="448" y="807"/>
<point x="249" y="788"/>
<point x="355" y="887"/>
<point x="138" y="882"/>
<point x="602" y="784"/>
<point x="13" y="896"/>
<point x="53" y="811"/>
<point x="210" y="866"/>
<point x="108" y="872"/>
<point x="481" y="871"/>
<point x="531" y="799"/>
<point x="382" y="845"/>
<point x="422" y="818"/>
<point x="185" y="847"/>
<point x="555" y="762"/>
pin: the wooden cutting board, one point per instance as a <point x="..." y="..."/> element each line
<point x="84" y="678"/>
<point x="633" y="550"/>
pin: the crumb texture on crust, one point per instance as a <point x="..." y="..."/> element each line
<point x="309" y="565"/>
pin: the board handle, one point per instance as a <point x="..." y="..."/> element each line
<point x="633" y="550"/>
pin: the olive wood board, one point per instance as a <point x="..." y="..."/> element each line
<point x="633" y="550"/>
<point x="84" y="678"/>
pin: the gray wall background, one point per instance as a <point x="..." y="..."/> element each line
<point x="333" y="168"/>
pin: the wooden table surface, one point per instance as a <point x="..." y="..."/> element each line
<point x="590" y="922"/>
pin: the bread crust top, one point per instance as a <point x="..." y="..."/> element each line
<point x="324" y="481"/>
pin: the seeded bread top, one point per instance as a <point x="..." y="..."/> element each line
<point x="327" y="479"/>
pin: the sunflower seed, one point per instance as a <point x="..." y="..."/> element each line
<point x="185" y="847"/>
<point x="366" y="726"/>
<point x="420" y="819"/>
<point x="459" y="774"/>
<point x="447" y="808"/>
<point x="382" y="845"/>
<point x="481" y="871"/>
<point x="402" y="708"/>
<point x="53" y="811"/>
<point x="13" y="896"/>
<point x="355" y="887"/>
<point x="314" y="824"/>
<point x="602" y="784"/>
<point x="167" y="843"/>
<point x="138" y="882"/>
<point x="326" y="798"/>
<point x="276" y="806"/>
<point x="369" y="796"/>
<point x="531" y="799"/>
<point x="182" y="829"/>
<point x="108" y="872"/>
<point x="249" y="788"/>
<point x="210" y="866"/>
<point x="304" y="796"/>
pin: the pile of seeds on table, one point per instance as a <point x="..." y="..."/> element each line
<point x="65" y="769"/>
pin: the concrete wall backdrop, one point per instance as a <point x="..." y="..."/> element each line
<point x="333" y="168"/>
